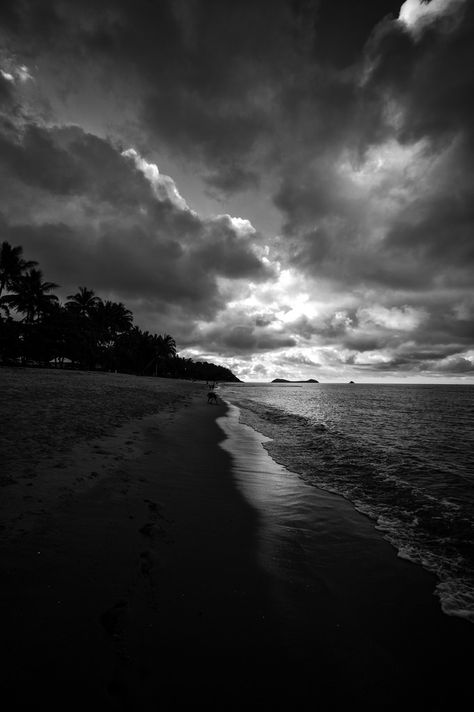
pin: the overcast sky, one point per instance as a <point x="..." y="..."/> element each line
<point x="285" y="186"/>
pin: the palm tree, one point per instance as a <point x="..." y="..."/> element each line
<point x="109" y="321"/>
<point x="84" y="302"/>
<point x="113" y="318"/>
<point x="30" y="295"/>
<point x="166" y="346"/>
<point x="165" y="349"/>
<point x="12" y="265"/>
<point x="133" y="350"/>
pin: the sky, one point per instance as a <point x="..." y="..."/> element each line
<point x="284" y="186"/>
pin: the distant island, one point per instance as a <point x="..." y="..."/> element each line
<point x="284" y="380"/>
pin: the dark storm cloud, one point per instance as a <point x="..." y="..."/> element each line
<point x="296" y="360"/>
<point x="36" y="159"/>
<point x="263" y="320"/>
<point x="207" y="71"/>
<point x="329" y="329"/>
<point x="222" y="254"/>
<point x="364" y="342"/>
<point x="5" y="91"/>
<point x="116" y="234"/>
<point x="69" y="161"/>
<point x="354" y="20"/>
<point x="457" y="364"/>
<point x="232" y="178"/>
<point x="238" y="339"/>
<point x="412" y="365"/>
<point x="216" y="79"/>
<point x="437" y="234"/>
<point x="418" y="87"/>
<point x="447" y="329"/>
<point x="242" y="333"/>
<point x="430" y="74"/>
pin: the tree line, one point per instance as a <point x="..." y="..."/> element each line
<point x="84" y="332"/>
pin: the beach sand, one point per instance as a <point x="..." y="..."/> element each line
<point x="147" y="567"/>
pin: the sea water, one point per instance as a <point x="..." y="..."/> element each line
<point x="402" y="454"/>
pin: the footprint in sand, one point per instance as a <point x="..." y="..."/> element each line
<point x="152" y="506"/>
<point x="147" y="529"/>
<point x="152" y="527"/>
<point x="111" y="618"/>
<point x="146" y="562"/>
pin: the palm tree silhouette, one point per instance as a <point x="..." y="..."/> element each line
<point x="109" y="321"/>
<point x="167" y="346"/>
<point x="84" y="302"/>
<point x="164" y="349"/>
<point x="113" y="318"/>
<point x="30" y="295"/>
<point x="12" y="266"/>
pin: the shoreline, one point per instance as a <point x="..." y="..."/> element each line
<point x="425" y="519"/>
<point x="175" y="577"/>
<point x="336" y="577"/>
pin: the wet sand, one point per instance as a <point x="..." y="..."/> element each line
<point x="159" y="570"/>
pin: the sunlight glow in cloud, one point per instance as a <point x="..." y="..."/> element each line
<point x="417" y="12"/>
<point x="6" y="75"/>
<point x="384" y="161"/>
<point x="23" y="73"/>
<point x="372" y="358"/>
<point x="242" y="226"/>
<point x="401" y="319"/>
<point x="16" y="73"/>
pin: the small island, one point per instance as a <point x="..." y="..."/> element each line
<point x="284" y="380"/>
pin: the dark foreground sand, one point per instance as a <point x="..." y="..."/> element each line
<point x="137" y="575"/>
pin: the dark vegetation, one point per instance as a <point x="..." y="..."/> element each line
<point x="85" y="332"/>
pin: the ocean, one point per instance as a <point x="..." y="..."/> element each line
<point x="403" y="455"/>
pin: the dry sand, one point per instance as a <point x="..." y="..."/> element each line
<point x="137" y="575"/>
<point x="60" y="430"/>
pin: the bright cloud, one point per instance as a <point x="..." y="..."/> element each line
<point x="241" y="225"/>
<point x="163" y="186"/>
<point x="16" y="73"/>
<point x="402" y="319"/>
<point x="6" y="75"/>
<point x="416" y="13"/>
